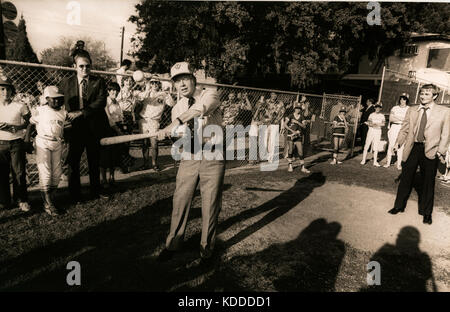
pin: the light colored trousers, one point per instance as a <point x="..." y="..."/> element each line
<point x="270" y="140"/>
<point x="209" y="174"/>
<point x="49" y="166"/>
<point x="392" y="136"/>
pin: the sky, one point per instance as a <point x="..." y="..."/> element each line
<point x="47" y="22"/>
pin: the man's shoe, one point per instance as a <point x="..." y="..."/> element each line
<point x="51" y="210"/>
<point x="386" y="166"/>
<point x="427" y="219"/>
<point x="304" y="170"/>
<point x="24" y="206"/>
<point x="376" y="164"/>
<point x="290" y="168"/>
<point x="165" y="255"/>
<point x="395" y="211"/>
<point x="363" y="162"/>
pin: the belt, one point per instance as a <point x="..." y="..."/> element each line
<point x="10" y="141"/>
<point x="396" y="123"/>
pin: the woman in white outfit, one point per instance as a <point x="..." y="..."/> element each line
<point x="375" y="122"/>
<point x="396" y="118"/>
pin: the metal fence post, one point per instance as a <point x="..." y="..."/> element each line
<point x="381" y="86"/>
<point x="356" y="125"/>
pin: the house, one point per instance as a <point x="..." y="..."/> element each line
<point x="425" y="59"/>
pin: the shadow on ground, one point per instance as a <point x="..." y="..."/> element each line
<point x="404" y="267"/>
<point x="122" y="254"/>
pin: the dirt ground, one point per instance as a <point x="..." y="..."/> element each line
<point x="278" y="231"/>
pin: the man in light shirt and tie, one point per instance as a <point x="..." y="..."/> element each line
<point x="202" y="105"/>
<point x="425" y="134"/>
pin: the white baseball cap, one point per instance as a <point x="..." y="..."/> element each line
<point x="181" y="68"/>
<point x="52" y="91"/>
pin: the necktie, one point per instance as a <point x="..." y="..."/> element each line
<point x="83" y="91"/>
<point x="190" y="124"/>
<point x="423" y="123"/>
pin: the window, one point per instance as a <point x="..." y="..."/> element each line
<point x="439" y="59"/>
<point x="409" y="50"/>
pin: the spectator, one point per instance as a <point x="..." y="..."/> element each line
<point x="307" y="116"/>
<point x="127" y="101"/>
<point x="85" y="101"/>
<point x="340" y="128"/>
<point x="115" y="155"/>
<point x="295" y="125"/>
<point x="366" y="112"/>
<point x="78" y="46"/>
<point x="153" y="100"/>
<point x="209" y="174"/>
<point x="14" y="119"/>
<point x="49" y="120"/>
<point x="446" y="176"/>
<point x="257" y="119"/>
<point x="230" y="109"/>
<point x="244" y="117"/>
<point x="274" y="114"/>
<point x="124" y="67"/>
<point x="396" y="117"/>
<point x="425" y="133"/>
<point x="375" y="122"/>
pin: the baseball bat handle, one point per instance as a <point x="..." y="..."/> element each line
<point x="125" y="138"/>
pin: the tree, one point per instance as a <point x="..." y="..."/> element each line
<point x="20" y="49"/>
<point x="271" y="43"/>
<point x="59" y="54"/>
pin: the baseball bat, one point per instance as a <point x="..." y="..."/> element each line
<point x="125" y="138"/>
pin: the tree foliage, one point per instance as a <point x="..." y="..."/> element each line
<point x="269" y="41"/>
<point x="59" y="54"/>
<point x="20" y="48"/>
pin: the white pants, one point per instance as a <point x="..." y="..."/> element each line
<point x="271" y="140"/>
<point x="392" y="136"/>
<point x="373" y="138"/>
<point x="49" y="166"/>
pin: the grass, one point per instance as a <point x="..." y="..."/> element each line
<point x="118" y="240"/>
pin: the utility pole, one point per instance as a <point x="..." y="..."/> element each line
<point x="121" y="46"/>
<point x="2" y="36"/>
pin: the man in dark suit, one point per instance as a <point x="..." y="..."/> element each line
<point x="425" y="133"/>
<point x="85" y="101"/>
<point x="370" y="108"/>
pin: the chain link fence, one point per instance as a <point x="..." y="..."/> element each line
<point x="239" y="106"/>
<point x="395" y="83"/>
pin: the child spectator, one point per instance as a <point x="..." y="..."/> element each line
<point x="375" y="122"/>
<point x="295" y="125"/>
<point x="49" y="120"/>
<point x="340" y="128"/>
<point x="153" y="102"/>
<point x="127" y="102"/>
<point x="113" y="155"/>
<point x="14" y="118"/>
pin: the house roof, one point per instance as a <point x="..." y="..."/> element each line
<point x="429" y="37"/>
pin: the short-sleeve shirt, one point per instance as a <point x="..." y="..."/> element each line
<point x="153" y="104"/>
<point x="293" y="125"/>
<point x="230" y="111"/>
<point x="12" y="114"/>
<point x="114" y="112"/>
<point x="399" y="112"/>
<point x="377" y="118"/>
<point x="49" y="125"/>
<point x="125" y="99"/>
<point x="340" y="125"/>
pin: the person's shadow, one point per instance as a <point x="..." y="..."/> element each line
<point x="403" y="266"/>
<point x="310" y="262"/>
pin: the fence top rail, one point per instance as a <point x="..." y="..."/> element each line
<point x="16" y="63"/>
<point x="416" y="79"/>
